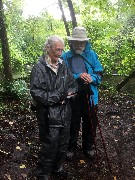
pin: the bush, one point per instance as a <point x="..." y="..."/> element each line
<point x="19" y="89"/>
<point x="16" y="90"/>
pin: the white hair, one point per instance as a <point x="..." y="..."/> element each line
<point x="51" y="40"/>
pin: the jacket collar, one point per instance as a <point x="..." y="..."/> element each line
<point x="43" y="61"/>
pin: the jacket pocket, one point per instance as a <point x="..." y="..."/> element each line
<point x="55" y="115"/>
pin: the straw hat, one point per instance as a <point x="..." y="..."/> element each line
<point x="78" y="34"/>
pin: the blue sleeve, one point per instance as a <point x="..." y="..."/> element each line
<point x="76" y="75"/>
<point x="97" y="69"/>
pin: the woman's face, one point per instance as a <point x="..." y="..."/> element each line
<point x="78" y="46"/>
<point x="55" y="51"/>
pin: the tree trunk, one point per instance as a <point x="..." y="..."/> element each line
<point x="5" y="46"/>
<point x="64" y="18"/>
<point x="72" y="13"/>
<point x="124" y="81"/>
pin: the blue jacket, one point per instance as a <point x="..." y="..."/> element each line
<point x="94" y="68"/>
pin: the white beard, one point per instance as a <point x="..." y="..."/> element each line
<point x="79" y="51"/>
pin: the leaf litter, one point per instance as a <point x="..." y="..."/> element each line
<point x="20" y="144"/>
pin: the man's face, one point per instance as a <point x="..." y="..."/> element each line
<point x="78" y="46"/>
<point x="55" y="51"/>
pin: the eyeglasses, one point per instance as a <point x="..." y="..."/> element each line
<point x="58" y="50"/>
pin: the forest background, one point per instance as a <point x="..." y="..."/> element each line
<point x="110" y="25"/>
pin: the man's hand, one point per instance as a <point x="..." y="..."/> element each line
<point x="86" y="77"/>
<point x="70" y="95"/>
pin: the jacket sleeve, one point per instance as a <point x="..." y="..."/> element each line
<point x="39" y="90"/>
<point x="97" y="69"/>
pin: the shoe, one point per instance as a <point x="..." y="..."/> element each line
<point x="43" y="177"/>
<point x="90" y="153"/>
<point x="61" y="173"/>
<point x="40" y="175"/>
<point x="69" y="156"/>
<point x="39" y="172"/>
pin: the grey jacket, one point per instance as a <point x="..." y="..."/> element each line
<point x="50" y="91"/>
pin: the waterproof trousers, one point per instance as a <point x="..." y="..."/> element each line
<point x="84" y="114"/>
<point x="53" y="149"/>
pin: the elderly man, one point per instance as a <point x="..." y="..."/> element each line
<point x="87" y="71"/>
<point x="52" y="86"/>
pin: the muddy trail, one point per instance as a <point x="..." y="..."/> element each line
<point x="20" y="144"/>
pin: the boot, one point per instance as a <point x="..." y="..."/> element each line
<point x="43" y="177"/>
<point x="69" y="156"/>
<point x="61" y="173"/>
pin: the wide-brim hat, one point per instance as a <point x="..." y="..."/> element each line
<point x="78" y="34"/>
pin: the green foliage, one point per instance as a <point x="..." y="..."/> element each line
<point x="110" y="25"/>
<point x="107" y="87"/>
<point x="111" y="28"/>
<point x="17" y="89"/>
<point x="3" y="106"/>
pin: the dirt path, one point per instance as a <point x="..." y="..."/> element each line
<point x="19" y="143"/>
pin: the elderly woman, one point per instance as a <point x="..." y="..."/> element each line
<point x="52" y="86"/>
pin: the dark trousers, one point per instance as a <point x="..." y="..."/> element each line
<point x="82" y="112"/>
<point x="53" y="149"/>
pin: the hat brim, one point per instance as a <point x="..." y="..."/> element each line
<point x="77" y="39"/>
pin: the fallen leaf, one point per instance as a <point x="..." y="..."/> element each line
<point x="24" y="175"/>
<point x="29" y="142"/>
<point x="7" y="176"/>
<point x="82" y="161"/>
<point x="11" y="123"/>
<point x="116" y="127"/>
<point x="22" y="166"/>
<point x="18" y="148"/>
